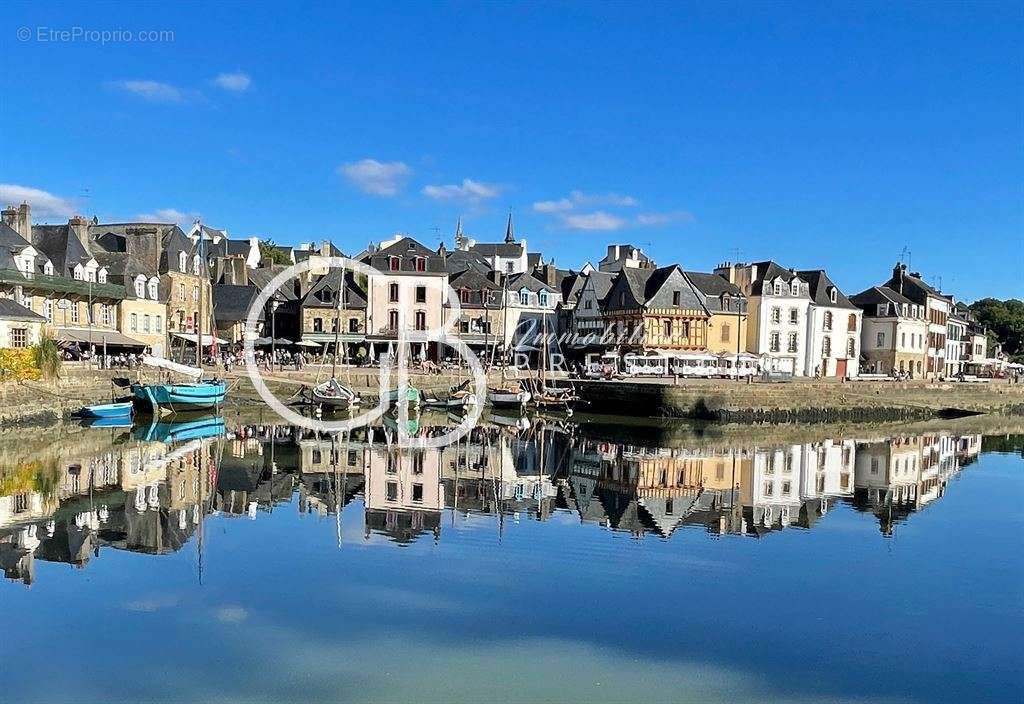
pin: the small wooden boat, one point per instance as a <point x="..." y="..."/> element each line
<point x="118" y="409"/>
<point x="334" y="394"/>
<point x="107" y="422"/>
<point x="546" y="397"/>
<point x="457" y="397"/>
<point x="508" y="396"/>
<point x="412" y="395"/>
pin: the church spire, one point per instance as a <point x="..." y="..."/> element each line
<point x="510" y="235"/>
<point x="460" y="239"/>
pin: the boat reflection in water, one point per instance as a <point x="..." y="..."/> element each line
<point x="149" y="488"/>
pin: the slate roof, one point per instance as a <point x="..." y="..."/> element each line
<point x="262" y="276"/>
<point x="458" y="261"/>
<point x="11" y="244"/>
<point x="914" y="288"/>
<point x="819" y="286"/>
<point x="62" y="246"/>
<point x="713" y="287"/>
<point x="509" y="250"/>
<point x="470" y="278"/>
<point x="869" y="298"/>
<point x="528" y="281"/>
<point x="231" y="303"/>
<point x="407" y="249"/>
<point x="9" y="310"/>
<point x="323" y="293"/>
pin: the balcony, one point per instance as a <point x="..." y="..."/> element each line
<point x="60" y="284"/>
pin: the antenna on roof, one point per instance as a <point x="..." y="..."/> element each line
<point x="905" y="256"/>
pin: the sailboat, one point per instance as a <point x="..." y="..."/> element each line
<point x="332" y="393"/>
<point x="545" y="395"/>
<point x="196" y="395"/>
<point x="458" y="396"/>
<point x="510" y="394"/>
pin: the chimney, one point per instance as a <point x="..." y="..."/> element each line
<point x="79" y="226"/>
<point x="10" y="217"/>
<point x="550" y="274"/>
<point x="24" y="227"/>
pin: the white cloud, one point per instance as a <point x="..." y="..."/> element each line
<point x="616" y="199"/>
<point x="154" y="91"/>
<point x="598" y="220"/>
<point x="44" y="204"/>
<point x="652" y="219"/>
<point x="237" y="82"/>
<point x="170" y="215"/>
<point x="231" y="614"/>
<point x="379" y="178"/>
<point x="553" y="206"/>
<point x="469" y="190"/>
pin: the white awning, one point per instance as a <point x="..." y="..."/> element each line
<point x="207" y="339"/>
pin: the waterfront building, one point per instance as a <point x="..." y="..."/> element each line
<point x="625" y="256"/>
<point x="404" y="494"/>
<point x="531" y="309"/>
<point x="587" y="316"/>
<point x="936" y="311"/>
<point x="833" y="329"/>
<point x="727" y="307"/>
<point x="894" y="332"/>
<point x="410" y="289"/>
<point x="231" y="305"/>
<point x="19" y="326"/>
<point x="481" y="323"/>
<point x="320" y="315"/>
<point x="956" y="341"/>
<point x="656" y="309"/>
<point x="222" y="252"/>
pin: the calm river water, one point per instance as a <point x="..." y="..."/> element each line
<point x="564" y="562"/>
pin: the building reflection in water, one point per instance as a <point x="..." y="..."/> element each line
<point x="135" y="493"/>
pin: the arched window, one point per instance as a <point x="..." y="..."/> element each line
<point x="851" y="348"/>
<point x="828" y="320"/>
<point x="182" y="262"/>
<point x="832" y="294"/>
<point x="140" y="287"/>
<point x="154" y="288"/>
<point x="196" y="265"/>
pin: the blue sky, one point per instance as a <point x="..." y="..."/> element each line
<point x="819" y="135"/>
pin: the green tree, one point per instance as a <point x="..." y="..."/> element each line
<point x="269" y="252"/>
<point x="1004" y="320"/>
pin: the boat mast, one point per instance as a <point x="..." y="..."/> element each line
<point x="202" y="301"/>
<point x="337" y="326"/>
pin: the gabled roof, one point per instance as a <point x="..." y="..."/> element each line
<point x="262" y="276"/>
<point x="231" y="303"/>
<point x="61" y="245"/>
<point x="407" y="250"/>
<point x="459" y="260"/>
<point x="9" y="310"/>
<point x="472" y="279"/>
<point x="713" y="289"/>
<point x="10" y="239"/>
<point x="820" y="286"/>
<point x="324" y="292"/>
<point x="876" y="295"/>
<point x="528" y="281"/>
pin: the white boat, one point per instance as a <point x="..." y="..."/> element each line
<point x="334" y="394"/>
<point x="508" y="397"/>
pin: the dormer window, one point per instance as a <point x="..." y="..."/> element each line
<point x="726" y="302"/>
<point x="182" y="262"/>
<point x="154" y="288"/>
<point x="421" y="263"/>
<point x="101" y="276"/>
<point x="543" y="299"/>
<point x="524" y="298"/>
<point x="140" y="287"/>
<point x="78" y="273"/>
<point x="832" y="295"/>
<point x="794" y="288"/>
<point x="393" y="263"/>
<point x="48" y="268"/>
<point x="196" y="265"/>
<point x="778" y="288"/>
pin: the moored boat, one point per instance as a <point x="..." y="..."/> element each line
<point x="412" y="396"/>
<point x="117" y="409"/>
<point x="508" y="397"/>
<point x="194" y="396"/>
<point x="334" y="394"/>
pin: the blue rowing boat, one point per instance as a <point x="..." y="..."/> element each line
<point x="107" y="410"/>
<point x="196" y="396"/>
